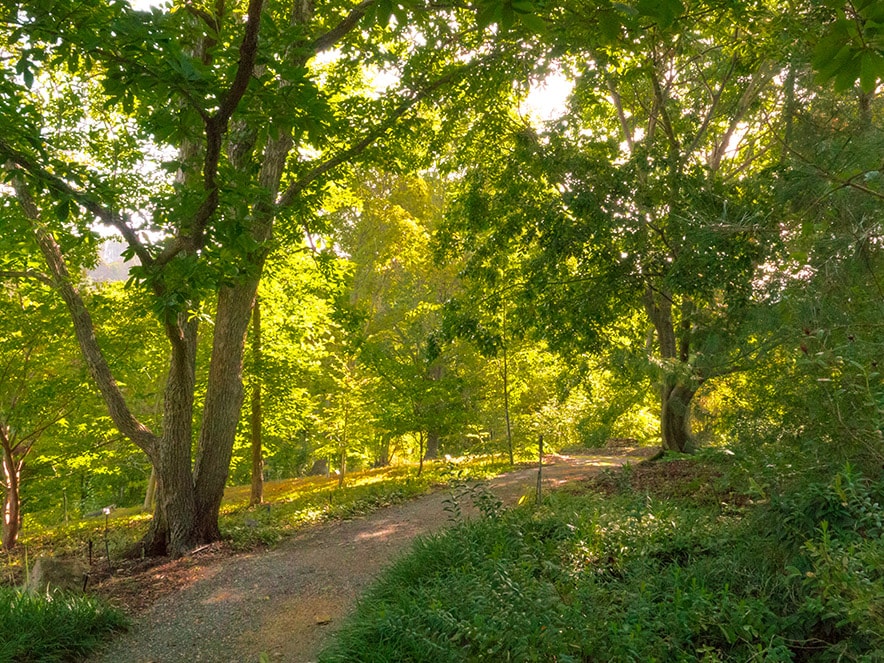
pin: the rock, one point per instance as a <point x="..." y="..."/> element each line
<point x="51" y="573"/>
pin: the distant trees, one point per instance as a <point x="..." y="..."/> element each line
<point x="40" y="381"/>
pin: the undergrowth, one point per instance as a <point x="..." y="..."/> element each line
<point x="52" y="627"/>
<point x="665" y="562"/>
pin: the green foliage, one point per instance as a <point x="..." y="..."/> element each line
<point x="632" y="576"/>
<point x="53" y="628"/>
<point x="852" y="47"/>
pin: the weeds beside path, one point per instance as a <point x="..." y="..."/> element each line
<point x="287" y="601"/>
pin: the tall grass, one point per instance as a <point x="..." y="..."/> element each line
<point x="52" y="627"/>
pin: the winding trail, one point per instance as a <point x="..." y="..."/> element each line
<point x="286" y="602"/>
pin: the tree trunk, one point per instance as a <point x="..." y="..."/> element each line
<point x="675" y="398"/>
<point x="342" y="467"/>
<point x="11" y="500"/>
<point x="173" y="530"/>
<point x="224" y="397"/>
<point x="151" y="492"/>
<point x="675" y="421"/>
<point x="506" y="407"/>
<point x="506" y="391"/>
<point x="432" y="445"/>
<point x="257" y="493"/>
<point x="382" y="458"/>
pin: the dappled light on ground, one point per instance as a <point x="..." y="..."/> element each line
<point x="381" y="533"/>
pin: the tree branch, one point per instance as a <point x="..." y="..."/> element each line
<point x="84" y="329"/>
<point x="216" y="128"/>
<point x="331" y="37"/>
<point x="27" y="274"/>
<point x="57" y="184"/>
<point x="300" y="184"/>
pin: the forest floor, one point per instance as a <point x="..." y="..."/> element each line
<point x="284" y="603"/>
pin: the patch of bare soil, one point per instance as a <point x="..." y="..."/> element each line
<point x="669" y="479"/>
<point x="283" y="603"/>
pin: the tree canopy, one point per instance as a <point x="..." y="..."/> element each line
<point x="437" y="269"/>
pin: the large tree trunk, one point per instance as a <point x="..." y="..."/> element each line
<point x="224" y="398"/>
<point x="173" y="529"/>
<point x="675" y="421"/>
<point x="675" y="397"/>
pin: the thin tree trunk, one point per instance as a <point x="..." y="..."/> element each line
<point x="257" y="494"/>
<point x="506" y="406"/>
<point x="151" y="492"/>
<point x="11" y="499"/>
<point x="342" y="468"/>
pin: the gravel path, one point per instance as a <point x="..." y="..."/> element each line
<point x="286" y="602"/>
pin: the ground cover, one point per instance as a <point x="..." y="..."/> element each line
<point x="52" y="628"/>
<point x="57" y="627"/>
<point x="668" y="561"/>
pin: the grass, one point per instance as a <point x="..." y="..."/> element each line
<point x="292" y="504"/>
<point x="289" y="505"/>
<point x="52" y="627"/>
<point x="665" y="562"/>
<point x="59" y="627"/>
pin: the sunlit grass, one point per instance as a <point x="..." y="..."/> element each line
<point x="288" y="505"/>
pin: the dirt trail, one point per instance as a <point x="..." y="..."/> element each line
<point x="286" y="602"/>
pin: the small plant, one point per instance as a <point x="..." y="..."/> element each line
<point x="479" y="496"/>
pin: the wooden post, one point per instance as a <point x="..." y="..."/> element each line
<point x="539" y="496"/>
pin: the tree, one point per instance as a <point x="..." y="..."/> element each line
<point x="248" y="126"/>
<point x="396" y="296"/>
<point x="652" y="193"/>
<point x="297" y="332"/>
<point x="39" y="381"/>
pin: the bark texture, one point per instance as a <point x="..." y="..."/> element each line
<point x="676" y="390"/>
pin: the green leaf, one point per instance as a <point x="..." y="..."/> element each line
<point x="63" y="210"/>
<point x="609" y="27"/>
<point x="533" y="23"/>
<point x="871" y="69"/>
